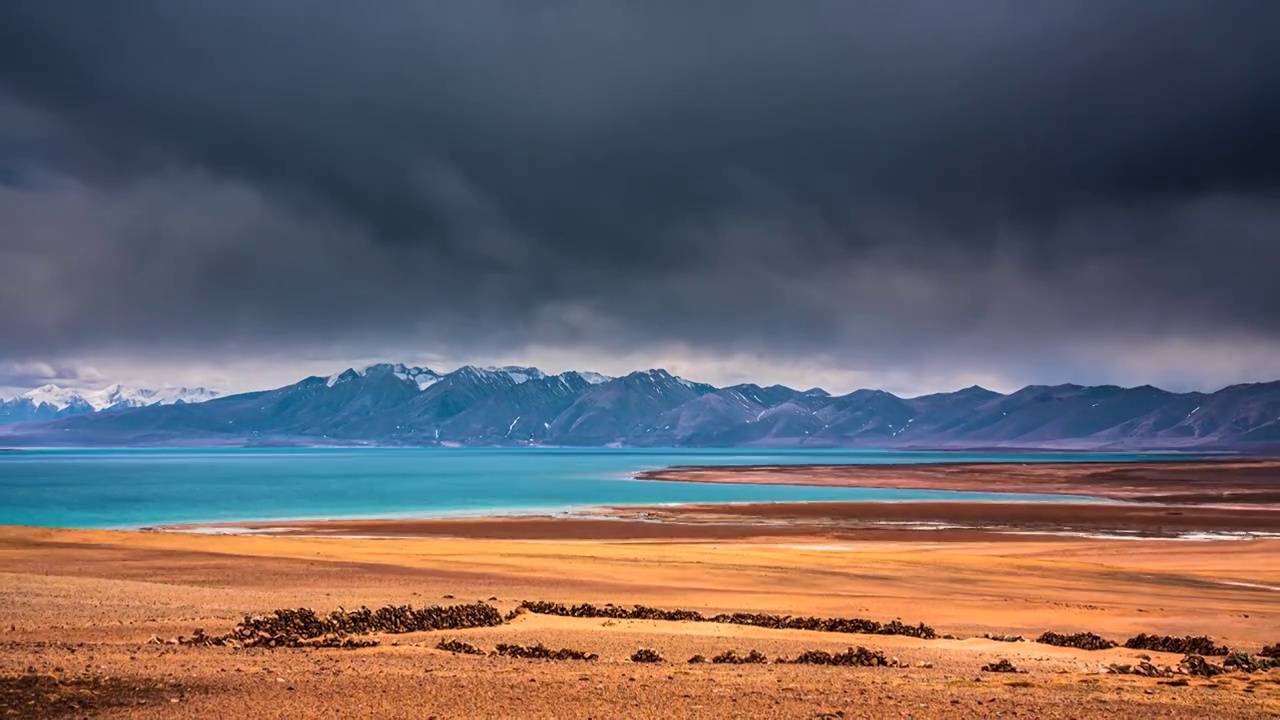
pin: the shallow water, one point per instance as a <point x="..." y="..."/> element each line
<point x="131" y="488"/>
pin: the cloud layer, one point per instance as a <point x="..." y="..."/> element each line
<point x="1034" y="191"/>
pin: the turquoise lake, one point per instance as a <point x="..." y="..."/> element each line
<point x="131" y="488"/>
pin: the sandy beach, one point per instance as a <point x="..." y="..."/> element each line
<point x="91" y="617"/>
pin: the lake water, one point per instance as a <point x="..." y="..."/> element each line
<point x="131" y="488"/>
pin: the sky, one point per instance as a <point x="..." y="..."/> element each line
<point x="914" y="196"/>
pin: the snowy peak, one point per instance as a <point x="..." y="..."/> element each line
<point x="422" y="377"/>
<point x="59" y="398"/>
<point x="114" y="396"/>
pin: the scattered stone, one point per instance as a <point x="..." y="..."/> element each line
<point x="457" y="646"/>
<point x="645" y="655"/>
<point x="1005" y="638"/>
<point x="1082" y="641"/>
<point x="1188" y="645"/>
<point x="542" y="652"/>
<point x="1001" y="666"/>
<point x="1143" y="668"/>
<point x="46" y="696"/>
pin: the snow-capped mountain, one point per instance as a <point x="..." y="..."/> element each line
<point x="48" y="402"/>
<point x="485" y="406"/>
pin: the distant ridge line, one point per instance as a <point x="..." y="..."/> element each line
<point x="401" y="405"/>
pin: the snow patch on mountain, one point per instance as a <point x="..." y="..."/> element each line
<point x="518" y="375"/>
<point x="423" y="378"/>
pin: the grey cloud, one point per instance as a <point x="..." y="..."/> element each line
<point x="985" y="183"/>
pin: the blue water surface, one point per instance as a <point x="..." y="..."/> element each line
<point x="132" y="488"/>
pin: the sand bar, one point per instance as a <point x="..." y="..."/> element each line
<point x="1195" y="482"/>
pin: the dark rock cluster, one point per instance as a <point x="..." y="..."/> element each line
<point x="1082" y="641"/>
<point x="697" y="659"/>
<point x="241" y="638"/>
<point x="1197" y="665"/>
<point x="782" y="622"/>
<point x="1005" y="638"/>
<point x="859" y="656"/>
<point x="732" y="658"/>
<point x="1248" y="664"/>
<point x="542" y="652"/>
<point x="392" y="619"/>
<point x="1188" y="645"/>
<point x="645" y="655"/>
<point x="1001" y="666"/>
<point x="457" y="646"/>
<point x="304" y="627"/>
<point x="836" y="625"/>
<point x="1270" y="651"/>
<point x="616" y="612"/>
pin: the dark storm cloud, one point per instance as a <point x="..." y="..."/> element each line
<point x="886" y="182"/>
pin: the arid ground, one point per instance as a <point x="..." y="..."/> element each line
<point x="87" y="616"/>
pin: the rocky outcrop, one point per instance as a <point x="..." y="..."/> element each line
<point x="1001" y="666"/>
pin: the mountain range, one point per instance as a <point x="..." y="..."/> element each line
<point x="399" y="405"/>
<point x="49" y="402"/>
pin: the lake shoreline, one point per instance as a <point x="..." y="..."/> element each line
<point x="1198" y="499"/>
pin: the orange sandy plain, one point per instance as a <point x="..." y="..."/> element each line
<point x="78" y="608"/>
